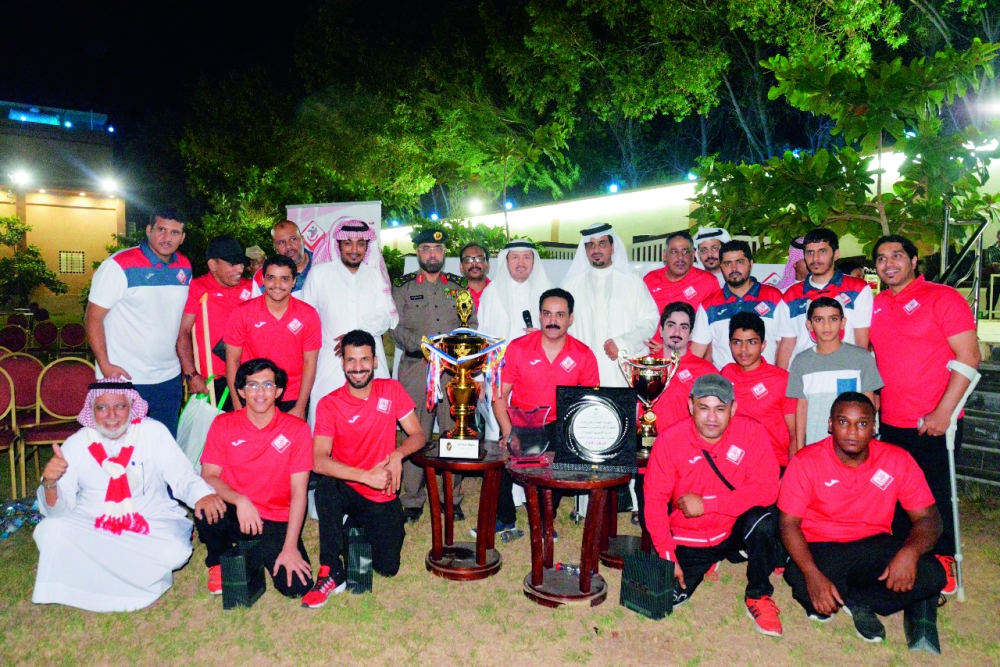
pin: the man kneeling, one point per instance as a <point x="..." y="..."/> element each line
<point x="258" y="459"/>
<point x="113" y="536"/>
<point x="837" y="502"/>
<point x="358" y="465"/>
<point x="719" y="472"/>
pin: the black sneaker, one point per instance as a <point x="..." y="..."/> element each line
<point x="818" y="617"/>
<point x="865" y="622"/>
<point x="459" y="514"/>
<point x="413" y="514"/>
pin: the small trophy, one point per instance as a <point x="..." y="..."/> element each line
<point x="649" y="376"/>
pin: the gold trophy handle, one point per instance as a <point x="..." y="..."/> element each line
<point x="623" y="366"/>
<point x="425" y="345"/>
<point x="464" y="305"/>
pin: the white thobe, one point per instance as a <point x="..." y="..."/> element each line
<point x="90" y="568"/>
<point x="507" y="320"/>
<point x="612" y="304"/>
<point x="345" y="301"/>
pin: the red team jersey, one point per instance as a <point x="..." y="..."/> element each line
<point x="838" y="503"/>
<point x="259" y="463"/>
<point x="535" y="378"/>
<point x="672" y="405"/>
<point x="363" y="431"/>
<point x="910" y="334"/>
<point x="761" y="394"/>
<point x="255" y="329"/>
<point x="696" y="286"/>
<point x="222" y="301"/>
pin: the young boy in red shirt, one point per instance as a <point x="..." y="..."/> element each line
<point x="358" y="465"/>
<point x="760" y="386"/>
<point x="258" y="460"/>
<point x="837" y="502"/>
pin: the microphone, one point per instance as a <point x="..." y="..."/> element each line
<point x="526" y="316"/>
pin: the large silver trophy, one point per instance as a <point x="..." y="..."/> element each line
<point x="649" y="376"/>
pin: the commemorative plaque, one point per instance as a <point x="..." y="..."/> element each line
<point x="597" y="429"/>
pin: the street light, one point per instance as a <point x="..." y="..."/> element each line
<point x="475" y="206"/>
<point x="20" y="177"/>
<point x="613" y="188"/>
<point x="109" y="185"/>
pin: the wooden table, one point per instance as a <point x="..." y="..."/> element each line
<point x="615" y="547"/>
<point x="544" y="584"/>
<point x="462" y="561"/>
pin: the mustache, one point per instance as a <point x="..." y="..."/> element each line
<point x="553" y="326"/>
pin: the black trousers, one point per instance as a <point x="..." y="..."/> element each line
<point x="755" y="533"/>
<point x="221" y="536"/>
<point x="931" y="454"/>
<point x="382" y="523"/>
<point x="854" y="568"/>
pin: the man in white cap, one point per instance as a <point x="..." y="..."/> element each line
<point x="708" y="242"/>
<point x="351" y="292"/>
<point x="113" y="535"/>
<point x="614" y="311"/>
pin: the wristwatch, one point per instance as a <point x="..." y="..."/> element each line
<point x="41" y="481"/>
<point x="188" y="376"/>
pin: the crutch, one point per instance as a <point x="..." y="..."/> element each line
<point x="209" y="379"/>
<point x="973" y="376"/>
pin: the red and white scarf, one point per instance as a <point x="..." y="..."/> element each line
<point x="119" y="515"/>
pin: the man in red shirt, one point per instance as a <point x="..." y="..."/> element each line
<point x="534" y="365"/>
<point x="474" y="263"/>
<point x="680" y="280"/>
<point x="278" y="327"/>
<point x="717" y="471"/>
<point x="676" y="323"/>
<point x="760" y="386"/>
<point x="917" y="329"/>
<point x="258" y="460"/>
<point x="837" y="503"/>
<point x="224" y="288"/>
<point x="358" y="465"/>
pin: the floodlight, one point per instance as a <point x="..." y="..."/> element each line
<point x="434" y="217"/>
<point x="475" y="206"/>
<point x="20" y="177"/>
<point x="613" y="188"/>
<point x="508" y="205"/>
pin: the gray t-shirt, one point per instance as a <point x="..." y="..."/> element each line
<point x="821" y="378"/>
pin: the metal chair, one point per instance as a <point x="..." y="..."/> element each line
<point x="17" y="320"/>
<point x="8" y="426"/>
<point x="24" y="370"/>
<point x="72" y="339"/>
<point x="14" y="338"/>
<point x="46" y="339"/>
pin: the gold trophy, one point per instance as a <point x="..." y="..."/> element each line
<point x="464" y="353"/>
<point x="649" y="376"/>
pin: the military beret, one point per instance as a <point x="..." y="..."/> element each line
<point x="430" y="235"/>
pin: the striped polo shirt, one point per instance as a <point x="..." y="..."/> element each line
<point x="711" y="322"/>
<point x="854" y="295"/>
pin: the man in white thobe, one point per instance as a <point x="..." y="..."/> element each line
<point x="112" y="535"/>
<point x="614" y="309"/>
<point x="352" y="291"/>
<point x="708" y="243"/>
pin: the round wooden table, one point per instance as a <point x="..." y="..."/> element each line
<point x="615" y="547"/>
<point x="544" y="584"/>
<point x="462" y="561"/>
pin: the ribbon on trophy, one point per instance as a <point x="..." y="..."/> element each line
<point x="438" y="359"/>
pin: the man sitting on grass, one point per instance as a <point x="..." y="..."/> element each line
<point x="258" y="459"/>
<point x="112" y="535"/>
<point x="837" y="502"/>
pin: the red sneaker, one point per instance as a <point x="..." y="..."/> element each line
<point x="764" y="613"/>
<point x="951" y="585"/>
<point x="325" y="586"/>
<point x="215" y="580"/>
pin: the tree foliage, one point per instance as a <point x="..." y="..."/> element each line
<point x="25" y="271"/>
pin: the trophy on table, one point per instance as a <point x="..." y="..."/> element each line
<point x="464" y="353"/>
<point x="649" y="376"/>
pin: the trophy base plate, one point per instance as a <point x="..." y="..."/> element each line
<point x="459" y="448"/>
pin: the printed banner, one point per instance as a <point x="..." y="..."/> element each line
<point x="315" y="222"/>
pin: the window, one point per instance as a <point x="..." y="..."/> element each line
<point x="71" y="261"/>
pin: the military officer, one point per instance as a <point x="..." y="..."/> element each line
<point x="425" y="300"/>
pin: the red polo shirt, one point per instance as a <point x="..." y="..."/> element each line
<point x="363" y="430"/>
<point x="222" y="301"/>
<point x="696" y="286"/>
<point x="672" y="405"/>
<point x="838" y="503"/>
<point x="535" y="378"/>
<point x="909" y="334"/>
<point x="761" y="394"/>
<point x="478" y="295"/>
<point x="677" y="467"/>
<point x="259" y="462"/>
<point x="283" y="341"/>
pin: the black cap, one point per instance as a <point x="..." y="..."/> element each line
<point x="226" y="248"/>
<point x="430" y="235"/>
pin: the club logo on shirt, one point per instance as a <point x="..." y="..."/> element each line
<point x="882" y="479"/>
<point x="534" y="361"/>
<point x="237" y="443"/>
<point x="911" y="306"/>
<point x="245" y="295"/>
<point x="353" y="419"/>
<point x="831" y="483"/>
<point x="150" y="275"/>
<point x="568" y="364"/>
<point x="843" y="299"/>
<point x="759" y="390"/>
<point x="281" y="443"/>
<point x="383" y="405"/>
<point x="258" y="325"/>
<point x="735" y="454"/>
<point x="694" y="460"/>
<point x="684" y="375"/>
<point x="762" y="309"/>
<point x="294" y="326"/>
<point x="181" y="277"/>
<point x="690" y="292"/>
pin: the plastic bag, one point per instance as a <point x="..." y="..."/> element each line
<point x="192" y="429"/>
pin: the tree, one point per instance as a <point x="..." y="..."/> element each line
<point x="25" y="271"/>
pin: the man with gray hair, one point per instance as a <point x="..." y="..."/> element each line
<point x="113" y="535"/>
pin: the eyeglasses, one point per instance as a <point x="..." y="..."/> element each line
<point x="474" y="260"/>
<point x="260" y="386"/>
